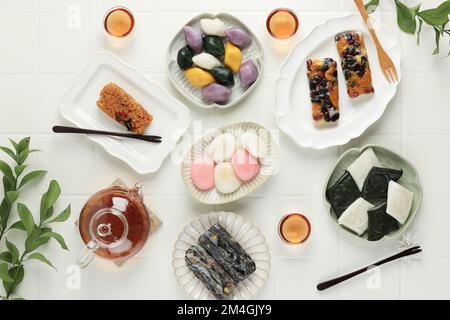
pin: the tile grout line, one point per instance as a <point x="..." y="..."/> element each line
<point x="341" y="150"/>
<point x="402" y="148"/>
<point x="37" y="70"/>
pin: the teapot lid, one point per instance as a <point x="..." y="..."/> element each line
<point x="108" y="227"/>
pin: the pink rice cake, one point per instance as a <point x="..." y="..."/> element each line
<point x="202" y="173"/>
<point x="245" y="165"/>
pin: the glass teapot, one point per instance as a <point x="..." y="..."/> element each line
<point x="114" y="224"/>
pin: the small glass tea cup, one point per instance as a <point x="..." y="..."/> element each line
<point x="118" y="22"/>
<point x="282" y="23"/>
<point x="294" y="228"/>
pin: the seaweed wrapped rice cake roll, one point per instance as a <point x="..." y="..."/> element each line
<point x="227" y="252"/>
<point x="377" y="182"/>
<point x="342" y="194"/>
<point x="210" y="272"/>
<point x="380" y="223"/>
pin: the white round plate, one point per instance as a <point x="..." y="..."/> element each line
<point x="293" y="105"/>
<point x="268" y="164"/>
<point x="249" y="237"/>
<point x="254" y="51"/>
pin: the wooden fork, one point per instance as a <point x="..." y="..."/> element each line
<point x="386" y="64"/>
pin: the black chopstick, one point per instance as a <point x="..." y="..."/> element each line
<point x="149" y="138"/>
<point x="330" y="283"/>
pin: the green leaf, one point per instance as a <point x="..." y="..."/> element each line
<point x="19" y="169"/>
<point x="23" y="144"/>
<point x="26" y="217"/>
<point x="406" y="17"/>
<point x="33" y="243"/>
<point x="8" y="185"/>
<point x="13" y="250"/>
<point x="4" y="275"/>
<point x="372" y="5"/>
<point x="18" y="225"/>
<point x="7" y="172"/>
<point x="5" y="209"/>
<point x="40" y="257"/>
<point x="6" y="257"/>
<point x="49" y="198"/>
<point x="18" y="274"/>
<point x="31" y="176"/>
<point x="63" y="216"/>
<point x="57" y="237"/>
<point x="23" y="155"/>
<point x="12" y="196"/>
<point x="437" y="16"/>
<point x="9" y="152"/>
<point x="14" y="144"/>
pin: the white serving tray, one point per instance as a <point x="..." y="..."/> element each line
<point x="254" y="51"/>
<point x="249" y="237"/>
<point x="292" y="101"/>
<point x="268" y="164"/>
<point x="170" y="117"/>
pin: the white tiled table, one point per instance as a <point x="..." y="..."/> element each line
<point x="41" y="51"/>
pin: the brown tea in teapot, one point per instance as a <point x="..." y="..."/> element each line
<point x="114" y="224"/>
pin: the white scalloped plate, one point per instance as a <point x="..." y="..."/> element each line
<point x="293" y="105"/>
<point x="253" y="51"/>
<point x="170" y="117"/>
<point x="249" y="237"/>
<point x="388" y="159"/>
<point x="269" y="164"/>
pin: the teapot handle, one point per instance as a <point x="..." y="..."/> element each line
<point x="88" y="254"/>
<point x="136" y="191"/>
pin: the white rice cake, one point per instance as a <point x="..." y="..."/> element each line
<point x="361" y="167"/>
<point x="355" y="217"/>
<point x="399" y="201"/>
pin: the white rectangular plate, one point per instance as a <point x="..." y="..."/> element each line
<point x="170" y="117"/>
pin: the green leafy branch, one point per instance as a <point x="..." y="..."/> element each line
<point x="411" y="19"/>
<point x="12" y="179"/>
<point x="38" y="233"/>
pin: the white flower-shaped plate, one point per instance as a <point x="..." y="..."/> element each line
<point x="293" y="104"/>
<point x="254" y="51"/>
<point x="268" y="164"/>
<point x="249" y="237"/>
<point x="170" y="117"/>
